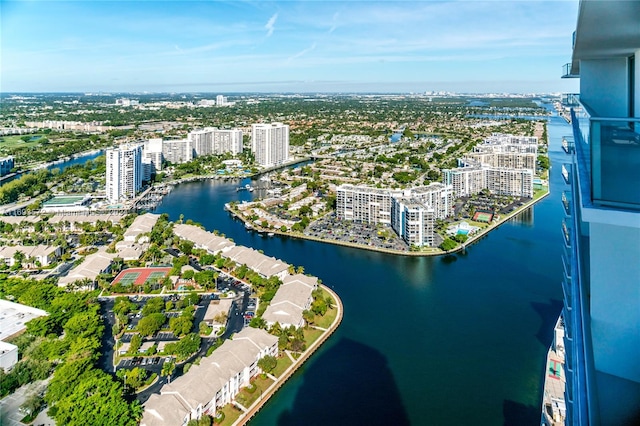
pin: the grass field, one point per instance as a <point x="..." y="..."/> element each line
<point x="231" y="414"/>
<point x="283" y="363"/>
<point x="14" y="141"/>
<point x="311" y="335"/>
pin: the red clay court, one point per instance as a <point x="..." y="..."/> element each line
<point x="483" y="217"/>
<point x="140" y="276"/>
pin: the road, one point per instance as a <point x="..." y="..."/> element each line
<point x="9" y="415"/>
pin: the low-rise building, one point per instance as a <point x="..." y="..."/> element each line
<point x="214" y="313"/>
<point x="213" y="383"/>
<point x="293" y="297"/>
<point x="13" y="321"/>
<point x="32" y="255"/>
<point x="203" y="239"/>
<point x="264" y="265"/>
<point x="8" y="355"/>
<point x="92" y="266"/>
<point x="141" y="225"/>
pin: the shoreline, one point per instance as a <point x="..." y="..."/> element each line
<point x="253" y="409"/>
<point x="461" y="247"/>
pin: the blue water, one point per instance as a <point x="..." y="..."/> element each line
<point x="61" y="166"/>
<point x="452" y="340"/>
<point x="74" y="161"/>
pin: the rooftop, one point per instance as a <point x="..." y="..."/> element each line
<point x="14" y="316"/>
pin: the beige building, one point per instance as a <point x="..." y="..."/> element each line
<point x="292" y="298"/>
<point x="42" y="254"/>
<point x="213" y="383"/>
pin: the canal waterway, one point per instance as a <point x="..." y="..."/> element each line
<point x="62" y="165"/>
<point x="452" y="340"/>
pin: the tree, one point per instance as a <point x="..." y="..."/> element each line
<point x="153" y="306"/>
<point x="149" y="325"/>
<point x="168" y="368"/>
<point x="308" y="316"/>
<point x="267" y="363"/>
<point x="448" y="244"/>
<point x="319" y="307"/>
<point x="186" y="247"/>
<point x="181" y="325"/>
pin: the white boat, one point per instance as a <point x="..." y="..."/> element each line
<point x="271" y="234"/>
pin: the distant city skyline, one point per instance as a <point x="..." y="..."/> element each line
<point x="288" y="46"/>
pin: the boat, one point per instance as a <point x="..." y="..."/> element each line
<point x="271" y="234"/>
<point x="248" y="225"/>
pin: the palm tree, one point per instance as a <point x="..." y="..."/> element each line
<point x="19" y="256"/>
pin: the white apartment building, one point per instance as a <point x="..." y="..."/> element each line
<point x="221" y="100"/>
<point x="510" y="160"/>
<point x="152" y="154"/>
<point x="601" y="282"/>
<point x="506" y="148"/>
<point x="514" y="182"/>
<point x="465" y="181"/>
<point x="177" y="151"/>
<point x="212" y="140"/>
<point x="124" y="172"/>
<point x="437" y="196"/>
<point x="506" y="139"/>
<point x="473" y="177"/>
<point x="364" y="204"/>
<point x="410" y="212"/>
<point x="270" y="143"/>
<point x="414" y="221"/>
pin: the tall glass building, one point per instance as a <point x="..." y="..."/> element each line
<point x="602" y="229"/>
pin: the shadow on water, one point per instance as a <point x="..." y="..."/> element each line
<point x="518" y="414"/>
<point x="449" y="258"/>
<point x="349" y="384"/>
<point x="549" y="313"/>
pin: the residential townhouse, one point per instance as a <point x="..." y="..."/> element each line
<point x="293" y="297"/>
<point x="213" y="383"/>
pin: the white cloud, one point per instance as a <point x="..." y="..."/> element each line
<point x="270" y="24"/>
<point x="303" y="52"/>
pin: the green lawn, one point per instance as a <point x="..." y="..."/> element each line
<point x="247" y="397"/>
<point x="326" y="320"/>
<point x="283" y="363"/>
<point x="539" y="193"/>
<point x="14" y="141"/>
<point x="231" y="414"/>
<point x="311" y="335"/>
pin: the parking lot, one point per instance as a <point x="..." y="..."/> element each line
<point x="379" y="236"/>
<point x="143" y="361"/>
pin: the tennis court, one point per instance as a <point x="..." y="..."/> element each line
<point x="483" y="217"/>
<point x="140" y="276"/>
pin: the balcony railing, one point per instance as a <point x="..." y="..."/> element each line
<point x="566" y="71"/>
<point x="566" y="203"/>
<point x="608" y="150"/>
<point x="571" y="99"/>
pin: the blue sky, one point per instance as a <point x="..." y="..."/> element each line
<point x="293" y="46"/>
